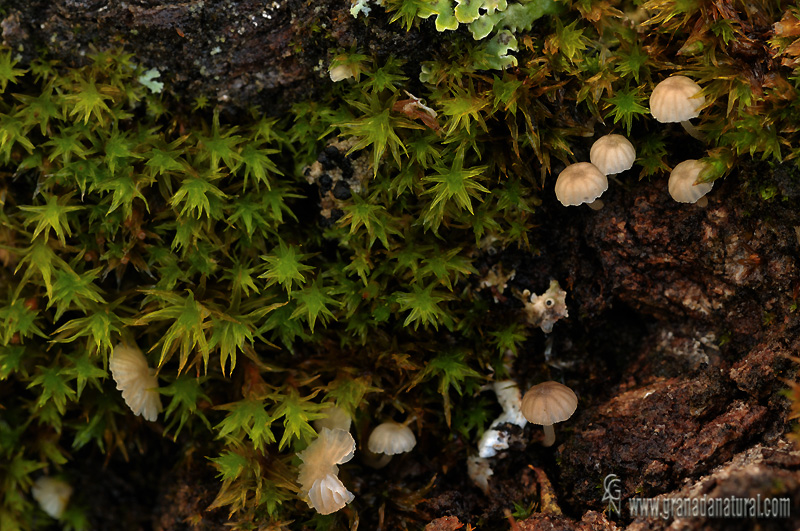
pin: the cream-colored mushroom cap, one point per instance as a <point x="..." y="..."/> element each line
<point x="52" y="495"/>
<point x="580" y="183"/>
<point x="676" y="99"/>
<point x="548" y="403"/>
<point x="328" y="494"/>
<point x="612" y="154"/>
<point x="322" y="489"/>
<point x="391" y="438"/>
<point x="682" y="185"/>
<point x="136" y="380"/>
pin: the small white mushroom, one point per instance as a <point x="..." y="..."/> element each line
<point x="548" y="403"/>
<point x="612" y="154"/>
<point x="328" y="494"/>
<point x="682" y="183"/>
<point x="581" y="183"/>
<point x="136" y="380"/>
<point x="341" y="72"/>
<point x="391" y="438"/>
<point x="52" y="495"/>
<point x="318" y="473"/>
<point x="677" y="99"/>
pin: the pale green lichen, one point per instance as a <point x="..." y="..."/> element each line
<point x="485" y="17"/>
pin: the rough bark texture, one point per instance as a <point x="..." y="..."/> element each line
<point x="703" y="299"/>
<point x="243" y="53"/>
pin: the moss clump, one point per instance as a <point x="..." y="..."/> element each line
<point x="272" y="267"/>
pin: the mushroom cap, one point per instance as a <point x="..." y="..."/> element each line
<point x="136" y="380"/>
<point x="332" y="447"/>
<point x="391" y="438"/>
<point x="548" y="403"/>
<point x="335" y="418"/>
<point x="52" y="495"/>
<point x="676" y="99"/>
<point x="580" y="183"/>
<point x="341" y="72"/>
<point x="682" y="185"/>
<point x="317" y="473"/>
<point x="612" y="154"/>
<point x="328" y="494"/>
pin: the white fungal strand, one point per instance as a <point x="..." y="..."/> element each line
<point x="318" y="479"/>
<point x="510" y="399"/>
<point x="136" y="380"/>
<point x="391" y="438"/>
<point x="496" y="439"/>
<point x="52" y="495"/>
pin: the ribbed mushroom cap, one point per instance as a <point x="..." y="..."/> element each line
<point x="548" y="403"/>
<point x="682" y="185"/>
<point x="391" y="438"/>
<point x="580" y="183"/>
<point x="328" y="494"/>
<point x="612" y="154"/>
<point x="136" y="380"/>
<point x="332" y="447"/>
<point x="317" y="473"/>
<point x="676" y="99"/>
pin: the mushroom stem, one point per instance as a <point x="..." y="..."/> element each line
<point x="702" y="202"/>
<point x="376" y="461"/>
<point x="693" y="131"/>
<point x="549" y="435"/>
<point x="597" y="204"/>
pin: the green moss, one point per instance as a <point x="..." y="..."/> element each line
<point x="215" y="246"/>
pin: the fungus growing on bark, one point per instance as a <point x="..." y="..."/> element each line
<point x="546" y="309"/>
<point x="683" y="186"/>
<point x="136" y="380"/>
<point x="52" y="495"/>
<point x="581" y="183"/>
<point x="323" y="490"/>
<point x="612" y="154"/>
<point x="677" y="99"/>
<point x="509" y="397"/>
<point x="547" y="403"/>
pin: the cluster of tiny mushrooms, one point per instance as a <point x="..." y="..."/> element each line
<point x="675" y="99"/>
<point x="545" y="404"/>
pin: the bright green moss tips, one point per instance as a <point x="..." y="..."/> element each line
<point x="8" y="74"/>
